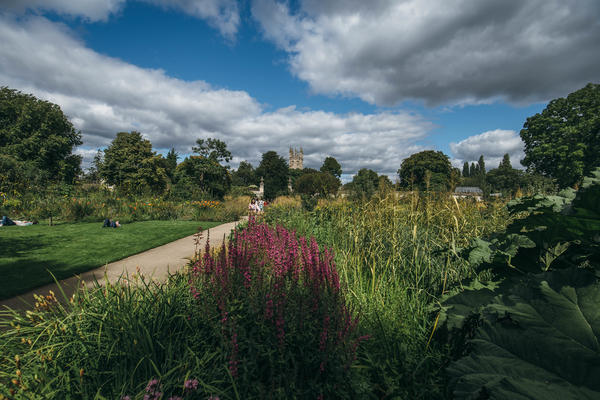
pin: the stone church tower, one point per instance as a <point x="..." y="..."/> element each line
<point x="296" y="159"/>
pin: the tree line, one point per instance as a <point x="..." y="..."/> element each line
<point x="562" y="145"/>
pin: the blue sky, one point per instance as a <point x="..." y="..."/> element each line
<point x="366" y="82"/>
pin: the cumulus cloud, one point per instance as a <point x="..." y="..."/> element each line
<point x="94" y="10"/>
<point x="440" y="52"/>
<point x="492" y="145"/>
<point x="222" y="14"/>
<point x="103" y="95"/>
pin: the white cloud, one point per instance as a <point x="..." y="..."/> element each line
<point x="458" y="52"/>
<point x="492" y="145"/>
<point x="222" y="14"/>
<point x="103" y="95"/>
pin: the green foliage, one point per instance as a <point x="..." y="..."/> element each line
<point x="388" y="253"/>
<point x="562" y="140"/>
<point x="536" y="322"/>
<point x="332" y="166"/>
<point x="274" y="169"/>
<point x="427" y="170"/>
<point x="465" y="170"/>
<point x="244" y="175"/>
<point x="320" y="184"/>
<point x="213" y="149"/>
<point x="171" y="163"/>
<point x="364" y="183"/>
<point x="201" y="177"/>
<point x="131" y="165"/>
<point x="109" y="342"/>
<point x="505" y="180"/>
<point x="36" y="140"/>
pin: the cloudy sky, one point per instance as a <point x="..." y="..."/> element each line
<point x="367" y="82"/>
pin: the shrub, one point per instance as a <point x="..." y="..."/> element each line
<point x="285" y="326"/>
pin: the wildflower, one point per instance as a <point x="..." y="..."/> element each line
<point x="191" y="384"/>
<point x="126" y="397"/>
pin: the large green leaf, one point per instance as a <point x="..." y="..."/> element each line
<point x="540" y="341"/>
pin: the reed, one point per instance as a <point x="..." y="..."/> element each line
<point x="396" y="255"/>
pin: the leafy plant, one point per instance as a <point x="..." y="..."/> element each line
<point x="533" y="331"/>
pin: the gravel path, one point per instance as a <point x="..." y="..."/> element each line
<point x="156" y="263"/>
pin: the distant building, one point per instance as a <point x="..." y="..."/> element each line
<point x="462" y="192"/>
<point x="296" y="159"/>
<point x="261" y="190"/>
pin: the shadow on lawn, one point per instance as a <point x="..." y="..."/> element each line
<point x="25" y="273"/>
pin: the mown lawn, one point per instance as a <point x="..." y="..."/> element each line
<point x="28" y="253"/>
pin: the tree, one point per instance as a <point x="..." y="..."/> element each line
<point x="171" y="163"/>
<point x="38" y="137"/>
<point x="563" y="141"/>
<point x="413" y="171"/>
<point x="465" y="170"/>
<point x="331" y="166"/>
<point x="320" y="184"/>
<point x="505" y="163"/>
<point x="472" y="170"/>
<point x="504" y="180"/>
<point x="203" y="175"/>
<point x="481" y="166"/>
<point x="245" y="175"/>
<point x="365" y="183"/>
<point x="213" y="149"/>
<point x="132" y="166"/>
<point x="274" y="169"/>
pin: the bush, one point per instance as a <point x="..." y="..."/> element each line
<point x="284" y="323"/>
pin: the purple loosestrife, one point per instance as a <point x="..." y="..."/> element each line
<point x="190" y="385"/>
<point x="270" y="276"/>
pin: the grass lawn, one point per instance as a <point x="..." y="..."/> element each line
<point x="26" y="253"/>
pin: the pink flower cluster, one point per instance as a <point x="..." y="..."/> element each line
<point x="281" y="278"/>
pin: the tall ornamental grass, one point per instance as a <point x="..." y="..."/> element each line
<point x="396" y="255"/>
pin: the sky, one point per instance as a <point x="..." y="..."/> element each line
<point x="366" y="82"/>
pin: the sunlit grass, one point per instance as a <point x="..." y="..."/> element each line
<point x="28" y="253"/>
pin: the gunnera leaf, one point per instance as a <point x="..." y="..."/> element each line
<point x="541" y="341"/>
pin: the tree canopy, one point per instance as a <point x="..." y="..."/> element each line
<point x="563" y="141"/>
<point x="319" y="184"/>
<point x="131" y="165"/>
<point x="332" y="166"/>
<point x="213" y="149"/>
<point x="365" y="183"/>
<point x="274" y="169"/>
<point x="426" y="170"/>
<point x="36" y="140"/>
<point x="245" y="175"/>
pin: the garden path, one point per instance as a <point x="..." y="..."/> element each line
<point x="155" y="263"/>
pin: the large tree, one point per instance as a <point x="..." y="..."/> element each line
<point x="275" y="171"/>
<point x="204" y="175"/>
<point x="37" y="139"/>
<point x="213" y="149"/>
<point x="245" y="175"/>
<point x="426" y="170"/>
<point x="330" y="165"/>
<point x="131" y="165"/>
<point x="563" y="141"/>
<point x="505" y="178"/>
<point x="365" y="183"/>
<point x="319" y="184"/>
